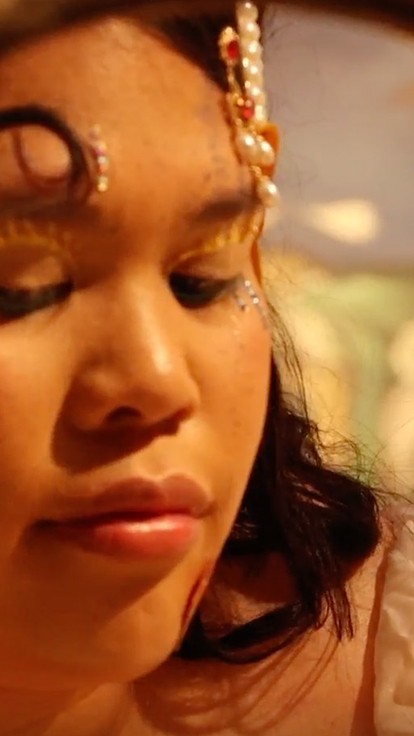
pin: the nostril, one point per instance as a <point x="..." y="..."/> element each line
<point x="121" y="414"/>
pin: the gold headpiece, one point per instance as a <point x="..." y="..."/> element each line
<point x="242" y="54"/>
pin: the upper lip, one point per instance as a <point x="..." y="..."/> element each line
<point x="139" y="496"/>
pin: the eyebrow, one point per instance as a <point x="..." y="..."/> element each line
<point x="226" y="205"/>
<point x="223" y="206"/>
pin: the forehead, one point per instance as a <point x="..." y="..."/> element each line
<point x="162" y="118"/>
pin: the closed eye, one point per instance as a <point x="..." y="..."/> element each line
<point x="194" y="292"/>
<point x="18" y="303"/>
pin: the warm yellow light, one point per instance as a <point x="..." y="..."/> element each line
<point x="354" y="222"/>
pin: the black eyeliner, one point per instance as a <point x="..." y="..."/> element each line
<point x="17" y="303"/>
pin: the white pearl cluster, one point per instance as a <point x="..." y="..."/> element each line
<point x="252" y="56"/>
<point x="252" y="147"/>
<point x="255" y="149"/>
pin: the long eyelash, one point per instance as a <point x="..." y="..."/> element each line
<point x="206" y="290"/>
<point x="15" y="303"/>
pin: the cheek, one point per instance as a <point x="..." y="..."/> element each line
<point x="235" y="396"/>
<point x="247" y="384"/>
<point x="240" y="375"/>
<point x="30" y="396"/>
<point x="196" y="594"/>
<point x="30" y="388"/>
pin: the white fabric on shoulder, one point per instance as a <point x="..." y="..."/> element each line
<point x="394" y="649"/>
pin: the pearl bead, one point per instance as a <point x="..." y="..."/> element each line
<point x="258" y="63"/>
<point x="252" y="49"/>
<point x="250" y="31"/>
<point x="268" y="192"/>
<point x="247" y="147"/>
<point x="248" y="11"/>
<point x="267" y="155"/>
<point x="102" y="184"/>
<point x="256" y="93"/>
<point x="260" y="113"/>
<point x="253" y="74"/>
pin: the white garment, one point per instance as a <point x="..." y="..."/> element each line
<point x="394" y="650"/>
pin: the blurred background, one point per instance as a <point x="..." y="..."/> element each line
<point x="339" y="254"/>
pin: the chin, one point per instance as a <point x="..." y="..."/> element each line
<point x="123" y="667"/>
<point x="102" y="666"/>
<point x="121" y="652"/>
<point x="113" y="664"/>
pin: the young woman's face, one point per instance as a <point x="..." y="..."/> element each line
<point x="132" y="399"/>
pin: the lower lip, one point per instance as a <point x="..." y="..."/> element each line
<point x="170" y="535"/>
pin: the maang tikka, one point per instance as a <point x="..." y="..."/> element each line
<point x="242" y="54"/>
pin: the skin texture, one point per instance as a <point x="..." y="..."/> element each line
<point x="120" y="379"/>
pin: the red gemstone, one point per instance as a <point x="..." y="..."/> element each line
<point x="233" y="50"/>
<point x="247" y="109"/>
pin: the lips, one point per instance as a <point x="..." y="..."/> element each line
<point x="134" y="519"/>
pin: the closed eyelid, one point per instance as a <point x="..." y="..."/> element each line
<point x="48" y="237"/>
<point x="226" y="205"/>
<point x="242" y="231"/>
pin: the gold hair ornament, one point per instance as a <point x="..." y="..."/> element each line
<point x="242" y="54"/>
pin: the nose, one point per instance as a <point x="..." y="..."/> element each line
<point x="134" y="363"/>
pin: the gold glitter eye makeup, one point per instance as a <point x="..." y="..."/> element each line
<point x="33" y="267"/>
<point x="24" y="233"/>
<point x="242" y="231"/>
<point x="213" y="270"/>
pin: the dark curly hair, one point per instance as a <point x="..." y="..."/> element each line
<point x="324" y="522"/>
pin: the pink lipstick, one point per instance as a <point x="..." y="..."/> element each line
<point x="134" y="519"/>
